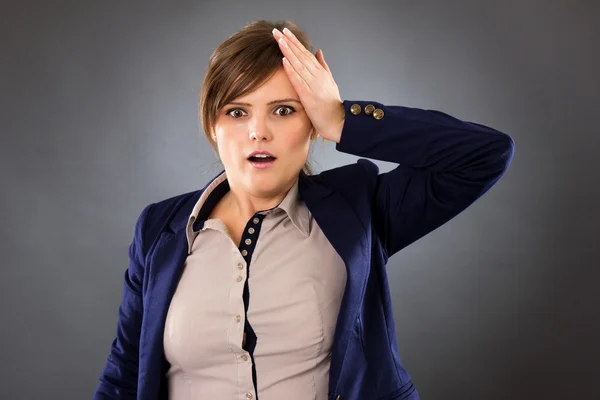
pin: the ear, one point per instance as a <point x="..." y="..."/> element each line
<point x="313" y="134"/>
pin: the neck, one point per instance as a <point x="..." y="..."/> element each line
<point x="245" y="205"/>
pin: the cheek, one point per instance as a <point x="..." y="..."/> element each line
<point x="229" y="142"/>
<point x="297" y="146"/>
<point x="298" y="138"/>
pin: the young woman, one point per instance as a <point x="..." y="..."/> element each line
<point x="270" y="282"/>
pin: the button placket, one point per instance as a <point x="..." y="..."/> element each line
<point x="246" y="249"/>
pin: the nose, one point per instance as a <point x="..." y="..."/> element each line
<point x="259" y="129"/>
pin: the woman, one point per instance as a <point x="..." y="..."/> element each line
<point x="270" y="282"/>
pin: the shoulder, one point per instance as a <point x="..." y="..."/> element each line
<point x="161" y="215"/>
<point x="355" y="184"/>
<point x="361" y="175"/>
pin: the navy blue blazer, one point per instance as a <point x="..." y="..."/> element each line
<point x="445" y="164"/>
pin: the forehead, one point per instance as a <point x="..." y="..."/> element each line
<point x="277" y="86"/>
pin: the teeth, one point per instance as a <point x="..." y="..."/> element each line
<point x="261" y="156"/>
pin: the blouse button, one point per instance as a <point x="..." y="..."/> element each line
<point x="244" y="253"/>
<point x="240" y="266"/>
<point x="239" y="279"/>
<point x="251" y="230"/>
<point x="248" y="395"/>
<point x="248" y="242"/>
<point x="238" y="318"/>
<point x="256" y="220"/>
<point x="244" y="357"/>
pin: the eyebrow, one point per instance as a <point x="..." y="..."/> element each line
<point x="236" y="103"/>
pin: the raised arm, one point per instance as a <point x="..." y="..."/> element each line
<point x="445" y="164"/>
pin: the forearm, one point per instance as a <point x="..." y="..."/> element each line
<point x="423" y="139"/>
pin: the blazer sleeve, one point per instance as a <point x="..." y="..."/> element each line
<point x="119" y="377"/>
<point x="445" y="164"/>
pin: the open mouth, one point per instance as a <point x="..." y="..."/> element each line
<point x="261" y="160"/>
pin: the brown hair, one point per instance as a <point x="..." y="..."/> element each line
<point x="241" y="64"/>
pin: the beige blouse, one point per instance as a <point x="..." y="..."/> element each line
<point x="295" y="282"/>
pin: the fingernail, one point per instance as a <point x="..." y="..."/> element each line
<point x="287" y="31"/>
<point x="276" y="32"/>
<point x="282" y="41"/>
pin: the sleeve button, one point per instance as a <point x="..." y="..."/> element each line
<point x="355" y="109"/>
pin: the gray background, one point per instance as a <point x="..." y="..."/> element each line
<point x="98" y="118"/>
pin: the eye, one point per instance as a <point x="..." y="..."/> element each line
<point x="235" y="112"/>
<point x="289" y="111"/>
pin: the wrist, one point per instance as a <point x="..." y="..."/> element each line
<point x="336" y="134"/>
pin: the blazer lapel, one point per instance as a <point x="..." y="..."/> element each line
<point x="347" y="235"/>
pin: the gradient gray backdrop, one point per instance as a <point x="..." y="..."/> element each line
<point x="98" y="118"/>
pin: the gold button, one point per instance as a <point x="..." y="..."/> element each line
<point x="251" y="230"/>
<point x="355" y="109"/>
<point x="248" y="242"/>
<point x="240" y="266"/>
<point x="369" y="109"/>
<point x="244" y="253"/>
<point x="378" y="113"/>
<point x="244" y="357"/>
<point x="239" y="278"/>
<point x="248" y="395"/>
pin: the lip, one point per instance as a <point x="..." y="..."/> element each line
<point x="261" y="164"/>
<point x="255" y="152"/>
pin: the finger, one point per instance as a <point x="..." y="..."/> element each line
<point x="293" y="59"/>
<point x="294" y="46"/>
<point x="303" y="54"/>
<point x="321" y="58"/>
<point x="298" y="82"/>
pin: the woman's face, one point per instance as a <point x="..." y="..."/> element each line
<point x="269" y="119"/>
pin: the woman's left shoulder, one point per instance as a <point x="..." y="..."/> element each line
<point x="350" y="179"/>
